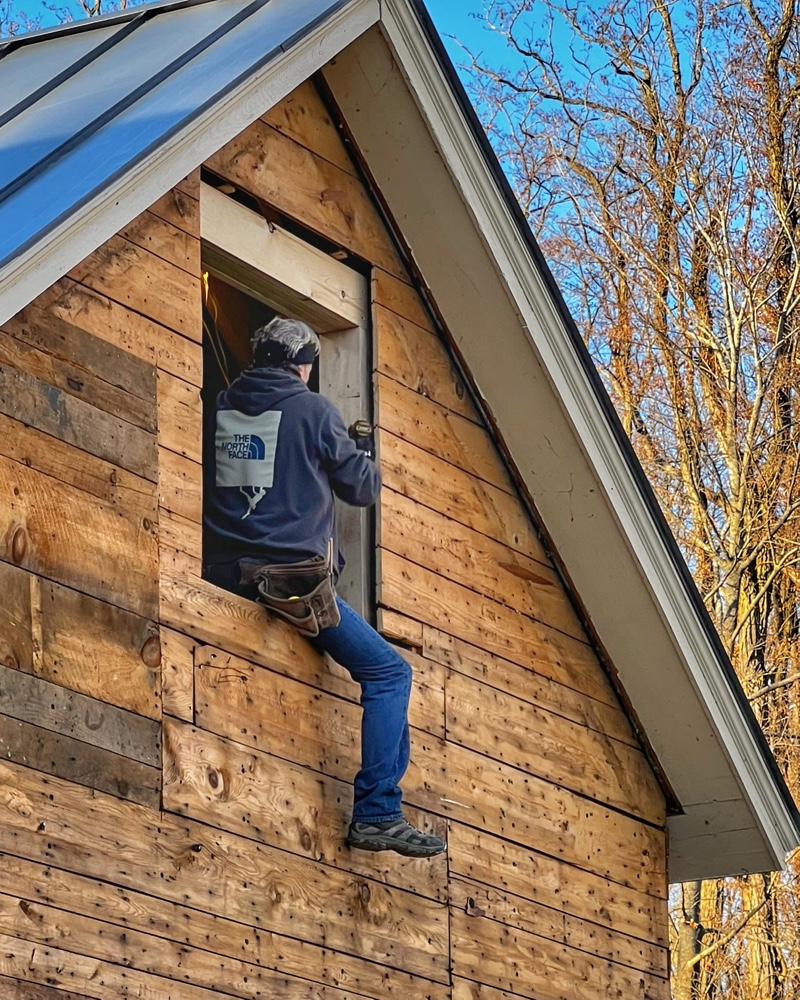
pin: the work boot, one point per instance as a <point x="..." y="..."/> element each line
<point x="396" y="835"/>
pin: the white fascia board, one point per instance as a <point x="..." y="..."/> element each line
<point x="134" y="192"/>
<point x="470" y="172"/>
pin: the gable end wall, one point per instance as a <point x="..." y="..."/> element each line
<point x="177" y="765"/>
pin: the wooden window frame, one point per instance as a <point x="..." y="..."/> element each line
<point x="278" y="268"/>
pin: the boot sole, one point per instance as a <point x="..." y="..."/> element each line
<point x="399" y="847"/>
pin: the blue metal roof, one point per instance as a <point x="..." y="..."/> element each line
<point x="81" y="106"/>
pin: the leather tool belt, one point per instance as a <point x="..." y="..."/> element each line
<point x="302" y="593"/>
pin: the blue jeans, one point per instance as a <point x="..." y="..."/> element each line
<point x="385" y="680"/>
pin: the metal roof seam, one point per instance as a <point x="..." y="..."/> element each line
<point x="73" y="68"/>
<point x="90" y="23"/>
<point x="130" y="99"/>
<point x="335" y="6"/>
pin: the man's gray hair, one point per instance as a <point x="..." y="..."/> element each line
<point x="292" y="334"/>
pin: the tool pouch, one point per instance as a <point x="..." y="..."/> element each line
<point x="302" y="593"/>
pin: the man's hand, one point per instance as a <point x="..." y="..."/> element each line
<point x="363" y="433"/>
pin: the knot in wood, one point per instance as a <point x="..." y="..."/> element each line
<point x="94" y="717"/>
<point x="213" y="778"/>
<point x="151" y="652"/>
<point x="19" y="545"/>
<point x="8" y="657"/>
<point x="364" y="892"/>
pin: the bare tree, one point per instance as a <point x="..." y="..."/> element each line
<point x="655" y="145"/>
<point x="18" y="18"/>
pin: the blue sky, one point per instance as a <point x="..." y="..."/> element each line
<point x="450" y="17"/>
<point x="457" y="17"/>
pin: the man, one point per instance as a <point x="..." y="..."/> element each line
<point x="281" y="452"/>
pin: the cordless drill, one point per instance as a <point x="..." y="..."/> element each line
<point x="363" y="433"/>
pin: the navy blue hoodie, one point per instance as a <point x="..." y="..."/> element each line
<point x="277" y="454"/>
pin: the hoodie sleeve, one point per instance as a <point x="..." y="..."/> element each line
<point x="354" y="478"/>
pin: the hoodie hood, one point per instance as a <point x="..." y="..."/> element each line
<point x="259" y="389"/>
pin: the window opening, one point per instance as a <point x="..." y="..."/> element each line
<point x="254" y="270"/>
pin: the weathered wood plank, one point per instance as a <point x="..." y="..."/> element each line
<point x="87" y="473"/>
<point x="60" y="532"/>
<point x="75" y="760"/>
<point x="60" y="352"/>
<point x="401" y="297"/>
<point x="192" y="864"/>
<point x="503" y="957"/>
<point x="441" y="432"/>
<point x="566" y="753"/>
<point x="315" y="727"/>
<point x="180" y="485"/>
<point x="123" y="327"/>
<point x="278" y="715"/>
<point x="530" y="811"/>
<point x="180" y="209"/>
<point x="302" y="116"/>
<point x="180" y="420"/>
<point x="521" y="871"/>
<point x="16" y="629"/>
<point x="31" y="699"/>
<point x="179" y="545"/>
<point x="418" y="359"/>
<point x="160" y="236"/>
<point x="43" y="963"/>
<point x="426" y="708"/>
<point x="78" y="642"/>
<point x="139" y="280"/>
<point x="398" y="627"/>
<point x="212" y="615"/>
<point x="127" y="908"/>
<point x="177" y="674"/>
<point x="74" y="421"/>
<point x="270" y="800"/>
<point x="467" y="989"/>
<point x="579" y="932"/>
<point x="424" y="536"/>
<point x="100" y="650"/>
<point x="458" y="495"/>
<point x="16" y="989"/>
<point x="448" y="607"/>
<point x="601" y="712"/>
<point x="296" y="181"/>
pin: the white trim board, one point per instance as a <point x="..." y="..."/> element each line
<point x="330" y="294"/>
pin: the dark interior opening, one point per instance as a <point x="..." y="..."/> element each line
<point x="230" y="317"/>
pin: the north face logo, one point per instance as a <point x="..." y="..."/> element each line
<point x="245" y="446"/>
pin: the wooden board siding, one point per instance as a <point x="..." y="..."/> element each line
<point x="176" y="766"/>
